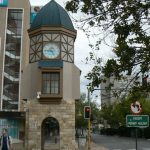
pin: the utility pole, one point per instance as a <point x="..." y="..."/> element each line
<point x="89" y="124"/>
<point x="89" y="121"/>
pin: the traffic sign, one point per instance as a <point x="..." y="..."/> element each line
<point x="141" y="121"/>
<point x="136" y="108"/>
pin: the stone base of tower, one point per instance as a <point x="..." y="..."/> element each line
<point x="38" y="131"/>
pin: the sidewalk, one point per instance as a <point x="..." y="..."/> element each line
<point x="83" y="145"/>
<point x="17" y="144"/>
<point x="97" y="147"/>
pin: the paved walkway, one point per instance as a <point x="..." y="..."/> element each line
<point x="83" y="145"/>
<point x="97" y="147"/>
<point x="18" y="145"/>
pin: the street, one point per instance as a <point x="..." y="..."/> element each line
<point x="120" y="143"/>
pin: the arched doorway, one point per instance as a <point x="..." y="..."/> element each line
<point x="50" y="134"/>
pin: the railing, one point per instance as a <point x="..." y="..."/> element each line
<point x="11" y="72"/>
<point x="12" y="102"/>
<point x="10" y="95"/>
<point x="12" y="78"/>
<point x="10" y="63"/>
<point x="12" y="54"/>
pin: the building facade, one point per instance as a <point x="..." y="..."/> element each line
<point x="39" y="80"/>
<point x="121" y="87"/>
<point x="54" y="80"/>
<point x="14" y="44"/>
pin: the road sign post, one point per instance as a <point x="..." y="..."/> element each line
<point x="136" y="120"/>
<point x="136" y="136"/>
<point x="141" y="121"/>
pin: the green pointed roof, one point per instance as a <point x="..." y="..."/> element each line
<point x="52" y="15"/>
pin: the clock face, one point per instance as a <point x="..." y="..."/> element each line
<point x="51" y="50"/>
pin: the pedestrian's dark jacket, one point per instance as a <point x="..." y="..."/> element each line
<point x="5" y="142"/>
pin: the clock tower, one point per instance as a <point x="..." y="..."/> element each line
<point x="53" y="81"/>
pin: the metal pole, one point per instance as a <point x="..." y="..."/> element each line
<point x="89" y="124"/>
<point x="89" y="134"/>
<point x="136" y="138"/>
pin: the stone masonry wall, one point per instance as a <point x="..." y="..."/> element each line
<point x="64" y="113"/>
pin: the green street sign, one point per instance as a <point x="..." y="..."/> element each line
<point x="141" y="121"/>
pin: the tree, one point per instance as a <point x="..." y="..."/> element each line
<point x="115" y="113"/>
<point x="79" y="112"/>
<point x="128" y="21"/>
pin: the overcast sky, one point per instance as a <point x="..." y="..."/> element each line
<point x="81" y="47"/>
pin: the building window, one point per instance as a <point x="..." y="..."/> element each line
<point x="51" y="83"/>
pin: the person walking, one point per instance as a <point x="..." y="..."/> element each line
<point x="5" y="141"/>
